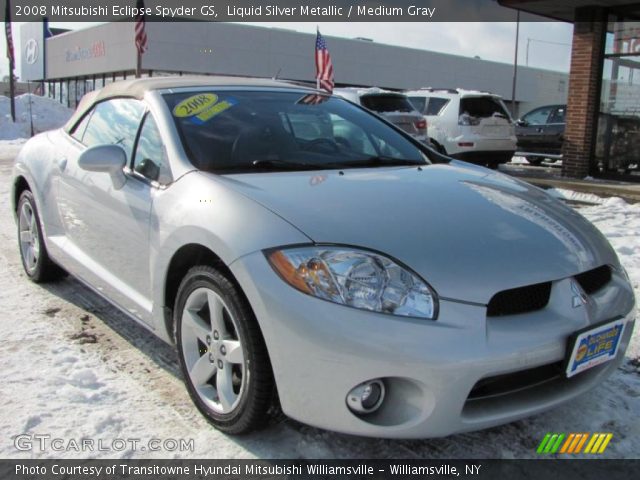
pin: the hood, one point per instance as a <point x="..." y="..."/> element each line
<point x="468" y="231"/>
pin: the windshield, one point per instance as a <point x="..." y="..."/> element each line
<point x="251" y="130"/>
<point x="387" y="103"/>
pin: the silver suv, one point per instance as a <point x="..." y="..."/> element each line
<point x="467" y="124"/>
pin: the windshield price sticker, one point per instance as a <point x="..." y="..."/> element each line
<point x="202" y="107"/>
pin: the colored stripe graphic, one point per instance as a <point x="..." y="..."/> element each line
<point x="550" y="443"/>
<point x="573" y="443"/>
<point x="581" y="443"/>
<point x="598" y="443"/>
<point x="565" y="447"/>
<point x="543" y="443"/>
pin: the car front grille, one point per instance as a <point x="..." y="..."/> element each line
<point x="518" y="392"/>
<point x="519" y="300"/>
<point x="535" y="297"/>
<point x="511" y="382"/>
<point x="595" y="279"/>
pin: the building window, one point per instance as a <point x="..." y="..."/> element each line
<point x="618" y="132"/>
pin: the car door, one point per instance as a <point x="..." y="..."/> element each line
<point x="554" y="130"/>
<point x="107" y="226"/>
<point x="531" y="129"/>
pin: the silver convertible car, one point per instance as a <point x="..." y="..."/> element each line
<point x="304" y="253"/>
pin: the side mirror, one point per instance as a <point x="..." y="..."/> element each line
<point x="109" y="159"/>
<point x="149" y="169"/>
<point x="521" y="123"/>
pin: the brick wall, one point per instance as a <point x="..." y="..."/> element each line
<point x="584" y="91"/>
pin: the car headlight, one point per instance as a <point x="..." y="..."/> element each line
<point x="356" y="278"/>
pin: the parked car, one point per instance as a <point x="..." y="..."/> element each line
<point x="392" y="106"/>
<point x="467" y="124"/>
<point x="298" y="249"/>
<point x="541" y="133"/>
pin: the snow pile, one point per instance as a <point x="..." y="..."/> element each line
<point x="47" y="114"/>
<point x="564" y="194"/>
<point x="619" y="221"/>
<point x="519" y="160"/>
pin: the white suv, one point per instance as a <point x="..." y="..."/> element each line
<point x="467" y="124"/>
<point x="394" y="107"/>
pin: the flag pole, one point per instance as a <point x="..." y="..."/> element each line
<point x="10" y="56"/>
<point x="12" y="92"/>
<point x="317" y="77"/>
<point x="30" y="109"/>
<point x="139" y="65"/>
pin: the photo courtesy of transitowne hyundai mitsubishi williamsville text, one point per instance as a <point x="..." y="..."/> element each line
<point x="204" y="471"/>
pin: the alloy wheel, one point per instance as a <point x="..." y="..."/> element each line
<point x="29" y="237"/>
<point x="213" y="353"/>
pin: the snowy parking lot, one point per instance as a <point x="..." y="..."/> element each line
<point x="74" y="367"/>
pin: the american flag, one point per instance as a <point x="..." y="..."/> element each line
<point x="313" y="99"/>
<point x="324" y="67"/>
<point x="7" y="30"/>
<point x="141" y="35"/>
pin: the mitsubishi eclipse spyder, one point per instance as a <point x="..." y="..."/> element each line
<point x="303" y="253"/>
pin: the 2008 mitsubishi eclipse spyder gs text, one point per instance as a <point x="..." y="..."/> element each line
<point x="299" y="249"/>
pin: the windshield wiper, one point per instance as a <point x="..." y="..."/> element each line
<point x="275" y="164"/>
<point x="379" y="160"/>
<point x="373" y="161"/>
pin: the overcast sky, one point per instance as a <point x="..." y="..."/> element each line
<point x="549" y="43"/>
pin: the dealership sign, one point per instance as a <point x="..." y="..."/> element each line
<point x="97" y="49"/>
<point x="32" y="51"/>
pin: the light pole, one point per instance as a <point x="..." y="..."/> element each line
<point x="515" y="67"/>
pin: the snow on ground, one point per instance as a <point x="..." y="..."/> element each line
<point x="74" y="367"/>
<point x="520" y="160"/>
<point x="47" y="114"/>
<point x="581" y="197"/>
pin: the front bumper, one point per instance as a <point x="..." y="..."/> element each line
<point x="320" y="351"/>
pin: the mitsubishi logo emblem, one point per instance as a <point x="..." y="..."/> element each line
<point x="31" y="51"/>
<point x="579" y="297"/>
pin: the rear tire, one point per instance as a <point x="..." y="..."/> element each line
<point x="33" y="251"/>
<point x="222" y="354"/>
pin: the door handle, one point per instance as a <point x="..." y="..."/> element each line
<point x="62" y="163"/>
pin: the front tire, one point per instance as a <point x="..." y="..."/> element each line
<point x="222" y="354"/>
<point x="33" y="251"/>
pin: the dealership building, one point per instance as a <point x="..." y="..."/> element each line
<point x="603" y="120"/>
<point x="602" y="136"/>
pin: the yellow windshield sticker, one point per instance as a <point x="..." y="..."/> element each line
<point x="202" y="107"/>
<point x="194" y="105"/>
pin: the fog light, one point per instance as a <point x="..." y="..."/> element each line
<point x="366" y="397"/>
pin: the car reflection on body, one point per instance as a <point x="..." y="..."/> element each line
<point x="297" y="249"/>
